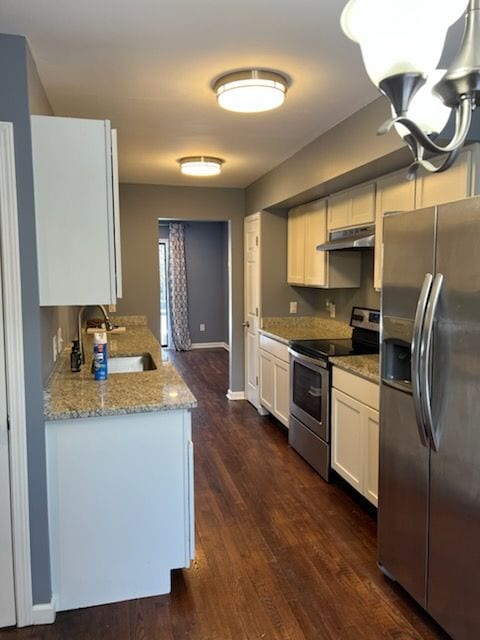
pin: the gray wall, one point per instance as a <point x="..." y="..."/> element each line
<point x="277" y="294"/>
<point x="141" y="206"/>
<point x="346" y="155"/>
<point x="206" y="257"/>
<point x="344" y="299"/>
<point x="14" y="107"/>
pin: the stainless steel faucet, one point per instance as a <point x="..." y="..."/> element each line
<point x="108" y="325"/>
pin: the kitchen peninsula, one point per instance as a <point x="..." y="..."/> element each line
<point x="120" y="476"/>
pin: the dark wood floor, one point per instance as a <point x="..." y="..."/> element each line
<point x="280" y="554"/>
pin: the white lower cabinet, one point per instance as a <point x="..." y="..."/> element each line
<point x="121" y="505"/>
<point x="266" y="380"/>
<point x="275" y="378"/>
<point x="355" y="423"/>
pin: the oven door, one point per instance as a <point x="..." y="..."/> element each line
<point x="309" y="393"/>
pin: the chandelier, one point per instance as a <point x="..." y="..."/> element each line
<point x="401" y="45"/>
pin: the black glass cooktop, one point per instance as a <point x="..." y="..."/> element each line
<point x="328" y="348"/>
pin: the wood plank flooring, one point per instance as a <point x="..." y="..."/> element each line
<point x="280" y="554"/>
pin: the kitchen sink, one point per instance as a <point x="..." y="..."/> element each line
<point x="131" y="364"/>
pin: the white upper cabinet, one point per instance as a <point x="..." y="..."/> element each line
<point x="315" y="233"/>
<point x="296" y="246"/>
<point x="448" y="186"/>
<point x="394" y="193"/>
<point x="352" y="208"/>
<point x="307" y="228"/>
<point x="76" y="209"/>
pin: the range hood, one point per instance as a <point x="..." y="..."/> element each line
<point x="355" y="238"/>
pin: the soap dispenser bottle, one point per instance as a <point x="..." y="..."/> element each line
<point x="75" y="357"/>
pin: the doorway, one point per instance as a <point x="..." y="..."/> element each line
<point x="207" y="264"/>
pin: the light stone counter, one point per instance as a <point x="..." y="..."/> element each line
<point x="77" y="395"/>
<point x="304" y="328"/>
<point x="364" y="366"/>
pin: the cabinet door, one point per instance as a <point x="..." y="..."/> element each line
<point x="439" y="188"/>
<point x="348" y="438"/>
<point x="296" y="246"/>
<point x="371" y="467"/>
<point x="73" y="210"/>
<point x="394" y="193"/>
<point x="339" y="206"/>
<point x="266" y="380"/>
<point x="281" y="391"/>
<point x="190" y="516"/>
<point x="315" y="234"/>
<point x="116" y="218"/>
<point x="363" y="205"/>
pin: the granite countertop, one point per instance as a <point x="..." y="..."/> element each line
<point x="304" y="328"/>
<point x="77" y="395"/>
<point x="364" y="366"/>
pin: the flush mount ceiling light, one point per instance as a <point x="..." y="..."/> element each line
<point x="251" y="90"/>
<point x="401" y="45"/>
<point x="202" y="166"/>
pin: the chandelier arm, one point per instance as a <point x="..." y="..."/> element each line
<point x="430" y="167"/>
<point x="463" y="119"/>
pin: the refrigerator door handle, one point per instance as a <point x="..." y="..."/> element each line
<point x="416" y="352"/>
<point x="426" y="360"/>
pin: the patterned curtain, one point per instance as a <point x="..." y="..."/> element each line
<point x="177" y="275"/>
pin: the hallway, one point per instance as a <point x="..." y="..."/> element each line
<point x="279" y="553"/>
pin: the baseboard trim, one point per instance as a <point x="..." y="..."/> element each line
<point x="208" y="345"/>
<point x="235" y="395"/>
<point x="44" y="613"/>
<point x="226" y="346"/>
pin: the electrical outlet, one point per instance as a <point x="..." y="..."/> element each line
<point x="54" y="348"/>
<point x="293" y="307"/>
<point x="112" y="308"/>
<point x="202" y="327"/>
<point x="59" y="340"/>
<point x="328" y="302"/>
<point x="332" y="310"/>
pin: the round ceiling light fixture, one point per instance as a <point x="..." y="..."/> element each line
<point x="251" y="90"/>
<point x="200" y="166"/>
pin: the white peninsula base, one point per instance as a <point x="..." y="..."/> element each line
<point x="121" y="510"/>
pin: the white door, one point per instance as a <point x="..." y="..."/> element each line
<point x="7" y="593"/>
<point x="252" y="307"/>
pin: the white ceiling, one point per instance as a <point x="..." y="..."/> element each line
<point x="147" y="65"/>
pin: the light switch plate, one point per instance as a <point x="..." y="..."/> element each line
<point x="332" y="310"/>
<point x="202" y="327"/>
<point x="293" y="307"/>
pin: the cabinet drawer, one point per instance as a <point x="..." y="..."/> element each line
<point x="356" y="387"/>
<point x="275" y="348"/>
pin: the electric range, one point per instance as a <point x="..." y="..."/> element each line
<point x="310" y="385"/>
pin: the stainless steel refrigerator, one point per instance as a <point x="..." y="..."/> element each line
<point x="429" y="494"/>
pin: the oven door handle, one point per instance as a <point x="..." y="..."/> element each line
<point x="315" y="392"/>
<point x="303" y="358"/>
